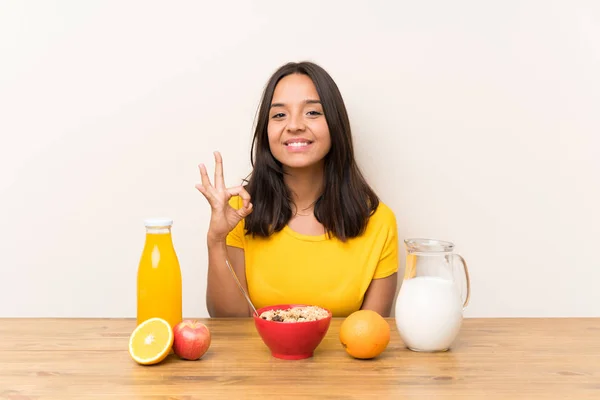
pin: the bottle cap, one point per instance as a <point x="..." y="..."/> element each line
<point x="158" y="222"/>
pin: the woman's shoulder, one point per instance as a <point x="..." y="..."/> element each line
<point x="383" y="214"/>
<point x="382" y="219"/>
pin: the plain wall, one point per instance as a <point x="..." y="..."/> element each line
<point x="476" y="122"/>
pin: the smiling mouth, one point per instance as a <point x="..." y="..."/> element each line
<point x="297" y="144"/>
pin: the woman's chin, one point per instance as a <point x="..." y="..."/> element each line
<point x="300" y="165"/>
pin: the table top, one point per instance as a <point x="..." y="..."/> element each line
<point x="490" y="359"/>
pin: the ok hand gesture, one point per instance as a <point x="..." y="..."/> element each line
<point x="223" y="217"/>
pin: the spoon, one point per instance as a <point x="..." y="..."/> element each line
<point x="241" y="287"/>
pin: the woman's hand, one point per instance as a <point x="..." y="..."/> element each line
<point x="223" y="217"/>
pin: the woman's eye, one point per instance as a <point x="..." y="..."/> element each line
<point x="314" y="113"/>
<point x="278" y="115"/>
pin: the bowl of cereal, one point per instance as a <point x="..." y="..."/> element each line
<point x="292" y="331"/>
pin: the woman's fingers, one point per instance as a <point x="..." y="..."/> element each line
<point x="204" y="176"/>
<point x="243" y="193"/>
<point x="206" y="193"/>
<point x="245" y="211"/>
<point x="215" y="194"/>
<point x="240" y="191"/>
<point x="219" y="179"/>
<point x="206" y="188"/>
<point x="201" y="189"/>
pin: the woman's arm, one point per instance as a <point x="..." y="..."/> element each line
<point x="223" y="297"/>
<point x="380" y="295"/>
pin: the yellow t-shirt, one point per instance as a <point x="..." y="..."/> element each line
<point x="292" y="268"/>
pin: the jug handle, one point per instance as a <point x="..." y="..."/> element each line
<point x="466" y="269"/>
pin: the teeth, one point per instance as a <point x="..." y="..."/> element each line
<point x="298" y="144"/>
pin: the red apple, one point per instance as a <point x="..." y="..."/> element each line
<point x="191" y="339"/>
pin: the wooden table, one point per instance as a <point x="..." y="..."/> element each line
<point x="491" y="359"/>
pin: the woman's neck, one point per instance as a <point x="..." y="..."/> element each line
<point x="305" y="185"/>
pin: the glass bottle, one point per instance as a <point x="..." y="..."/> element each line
<point x="159" y="291"/>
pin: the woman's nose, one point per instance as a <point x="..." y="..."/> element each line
<point x="296" y="122"/>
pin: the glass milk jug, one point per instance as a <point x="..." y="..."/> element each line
<point x="430" y="304"/>
<point x="159" y="291"/>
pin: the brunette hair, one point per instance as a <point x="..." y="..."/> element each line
<point x="347" y="200"/>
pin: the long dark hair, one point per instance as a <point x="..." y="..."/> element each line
<point x="347" y="201"/>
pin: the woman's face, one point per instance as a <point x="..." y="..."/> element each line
<point x="297" y="129"/>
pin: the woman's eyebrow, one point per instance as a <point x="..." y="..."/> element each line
<point x="309" y="101"/>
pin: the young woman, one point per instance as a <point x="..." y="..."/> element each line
<point x="307" y="228"/>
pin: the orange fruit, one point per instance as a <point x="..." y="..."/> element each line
<point x="364" y="334"/>
<point x="151" y="341"/>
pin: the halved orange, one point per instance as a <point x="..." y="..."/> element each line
<point x="151" y="341"/>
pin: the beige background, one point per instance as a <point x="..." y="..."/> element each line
<point x="477" y="122"/>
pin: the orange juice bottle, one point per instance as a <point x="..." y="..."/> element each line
<point x="159" y="275"/>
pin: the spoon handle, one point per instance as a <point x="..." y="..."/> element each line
<point x="240" y="286"/>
